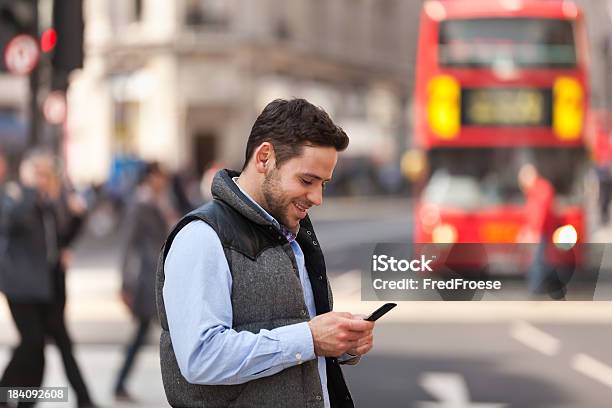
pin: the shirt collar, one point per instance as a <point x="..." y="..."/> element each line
<point x="284" y="230"/>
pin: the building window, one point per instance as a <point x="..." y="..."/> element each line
<point x="137" y="10"/>
<point x="281" y="29"/>
<point x="210" y="13"/>
<point x="125" y="13"/>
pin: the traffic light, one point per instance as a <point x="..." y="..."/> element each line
<point x="16" y="17"/>
<point x="63" y="41"/>
<point x="68" y="25"/>
<point x="48" y="40"/>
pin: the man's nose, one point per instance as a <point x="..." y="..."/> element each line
<point x="315" y="197"/>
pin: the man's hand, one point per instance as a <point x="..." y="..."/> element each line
<point x="126" y="298"/>
<point x="334" y="334"/>
<point x="66" y="258"/>
<point x="76" y="204"/>
<point x="364" y="344"/>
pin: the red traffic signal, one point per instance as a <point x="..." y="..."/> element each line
<point x="48" y="40"/>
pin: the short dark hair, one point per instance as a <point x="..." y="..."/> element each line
<point x="289" y="125"/>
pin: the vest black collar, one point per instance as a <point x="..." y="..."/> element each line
<point x="225" y="189"/>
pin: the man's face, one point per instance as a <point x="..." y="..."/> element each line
<point x="158" y="182"/>
<point x="44" y="176"/>
<point x="527" y="177"/>
<point x="290" y="191"/>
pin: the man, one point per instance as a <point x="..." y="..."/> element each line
<point x="3" y="168"/>
<point x="243" y="296"/>
<point x="3" y="222"/>
<point x="148" y="219"/>
<point x="41" y="220"/>
<point x="539" y="227"/>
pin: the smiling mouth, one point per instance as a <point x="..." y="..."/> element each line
<point x="301" y="208"/>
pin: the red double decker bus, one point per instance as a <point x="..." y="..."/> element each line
<point x="499" y="83"/>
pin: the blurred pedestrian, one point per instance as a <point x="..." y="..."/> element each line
<point x="602" y="159"/>
<point x="42" y="219"/>
<point x="3" y="232"/>
<point x="538" y="229"/>
<point x="604" y="176"/>
<point x="3" y="168"/>
<point x="207" y="178"/>
<point x="179" y="193"/>
<point x="148" y="219"/>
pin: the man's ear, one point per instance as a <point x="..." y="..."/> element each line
<point x="264" y="157"/>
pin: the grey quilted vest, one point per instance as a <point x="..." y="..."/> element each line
<point x="266" y="293"/>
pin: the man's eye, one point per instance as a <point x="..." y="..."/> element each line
<point x="324" y="185"/>
<point x="306" y="182"/>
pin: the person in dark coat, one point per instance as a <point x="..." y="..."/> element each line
<point x="147" y="223"/>
<point x="3" y="234"/>
<point x="40" y="221"/>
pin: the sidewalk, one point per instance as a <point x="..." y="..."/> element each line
<point x="99" y="365"/>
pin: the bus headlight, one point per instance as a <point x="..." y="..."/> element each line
<point x="568" y="111"/>
<point x="565" y="237"/>
<point x="444" y="234"/>
<point x="443" y="106"/>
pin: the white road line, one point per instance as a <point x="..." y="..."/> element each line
<point x="535" y="338"/>
<point x="449" y="387"/>
<point x="593" y="368"/>
<point x="450" y="390"/>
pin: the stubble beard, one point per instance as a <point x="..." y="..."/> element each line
<point x="275" y="199"/>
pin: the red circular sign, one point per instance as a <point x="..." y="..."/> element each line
<point x="21" y="54"/>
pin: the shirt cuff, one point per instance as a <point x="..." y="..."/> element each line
<point x="296" y="343"/>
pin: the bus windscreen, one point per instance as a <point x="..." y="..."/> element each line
<point x="483" y="177"/>
<point x="503" y="42"/>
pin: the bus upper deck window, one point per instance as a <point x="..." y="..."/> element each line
<point x="522" y="42"/>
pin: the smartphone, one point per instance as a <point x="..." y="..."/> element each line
<point x="380" y="312"/>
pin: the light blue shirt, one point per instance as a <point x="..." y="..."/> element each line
<point x="197" y="299"/>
